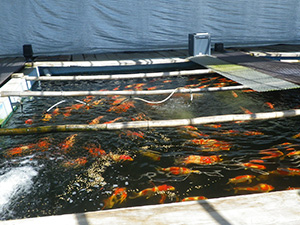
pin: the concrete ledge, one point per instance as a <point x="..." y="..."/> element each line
<point x="282" y="207"/>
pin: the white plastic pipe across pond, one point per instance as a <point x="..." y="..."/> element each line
<point x="150" y="124"/>
<point x="120" y="76"/>
<point x="105" y="93"/>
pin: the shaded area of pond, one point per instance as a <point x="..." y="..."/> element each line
<point x="60" y="173"/>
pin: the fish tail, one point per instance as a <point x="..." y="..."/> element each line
<point x="135" y="195"/>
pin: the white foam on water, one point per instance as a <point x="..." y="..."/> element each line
<point x="13" y="183"/>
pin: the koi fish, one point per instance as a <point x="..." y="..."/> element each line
<point x="241" y="179"/>
<point x="116" y="88"/>
<point x="132" y="134"/>
<point x="257" y="188"/>
<point x="210" y="144"/>
<point x="213" y="125"/>
<point x="140" y="117"/>
<point x="148" y="192"/>
<point x="118" y="100"/>
<point x="43" y="144"/>
<point x="271" y="153"/>
<point x="55" y="111"/>
<point x="77" y="106"/>
<point x="47" y="117"/>
<point x="97" y="102"/>
<point x="167" y="81"/>
<point x="139" y="86"/>
<point x="190" y="128"/>
<point x="88" y="98"/>
<point x="269" y="104"/>
<point x="75" y="163"/>
<point x="96" y="120"/>
<point x="151" y="154"/>
<point x="19" y="150"/>
<point x="119" y="196"/>
<point x="202" y="160"/>
<point x="287" y="171"/>
<point x="253" y="166"/>
<point x="293" y="153"/>
<point x="151" y="88"/>
<point x="68" y="142"/>
<point x="112" y="121"/>
<point x="251" y="133"/>
<point x="246" y="110"/>
<point x="234" y="94"/>
<point x="120" y="158"/>
<point x="296" y="136"/>
<point x="123" y="107"/>
<point x="29" y="121"/>
<point x="68" y="111"/>
<point x="196" y="198"/>
<point x="179" y="170"/>
<point x="95" y="151"/>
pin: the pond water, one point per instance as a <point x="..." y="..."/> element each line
<point x="59" y="173"/>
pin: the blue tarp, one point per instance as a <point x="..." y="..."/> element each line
<point x="96" y="26"/>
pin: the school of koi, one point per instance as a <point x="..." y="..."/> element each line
<point x="150" y="166"/>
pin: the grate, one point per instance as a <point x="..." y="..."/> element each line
<point x="252" y="72"/>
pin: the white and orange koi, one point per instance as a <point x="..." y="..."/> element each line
<point x="179" y="170"/>
<point x="202" y="160"/>
<point x="241" y="179"/>
<point x="148" y="192"/>
<point x="257" y="188"/>
<point x="195" y="198"/>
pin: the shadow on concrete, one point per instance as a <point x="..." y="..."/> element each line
<point x="81" y="219"/>
<point x="213" y="213"/>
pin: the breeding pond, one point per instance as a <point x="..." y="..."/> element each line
<point x="59" y="173"/>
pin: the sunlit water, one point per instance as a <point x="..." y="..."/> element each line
<point x="50" y="179"/>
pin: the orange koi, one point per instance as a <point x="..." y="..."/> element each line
<point x="47" y="117"/>
<point x="167" y="81"/>
<point x="214" y="144"/>
<point x="29" y="121"/>
<point x="116" y="88"/>
<point x="234" y="94"/>
<point x="97" y="102"/>
<point x="296" y="136"/>
<point x="95" y="151"/>
<point x="118" y="100"/>
<point x="213" y="125"/>
<point x="75" y="163"/>
<point x="241" y="179"/>
<point x="139" y="117"/>
<point x="257" y="188"/>
<point x="202" y="160"/>
<point x="77" y="106"/>
<point x="112" y="121"/>
<point x="132" y="134"/>
<point x="139" y="86"/>
<point x="123" y="107"/>
<point x="250" y="133"/>
<point x="148" y="192"/>
<point x="269" y="104"/>
<point x="271" y="153"/>
<point x="257" y="161"/>
<point x="68" y="142"/>
<point x="196" y="198"/>
<point x="19" y="150"/>
<point x="246" y="110"/>
<point x="253" y="166"/>
<point x="287" y="171"/>
<point x="120" y="158"/>
<point x="179" y="170"/>
<point x="119" y="196"/>
<point x="68" y="111"/>
<point x="293" y="188"/>
<point x="96" y="120"/>
<point x="151" y="88"/>
<point x="293" y="153"/>
<point x="88" y="98"/>
<point x="190" y="128"/>
<point x="43" y="144"/>
<point x="248" y="90"/>
<point x="55" y="112"/>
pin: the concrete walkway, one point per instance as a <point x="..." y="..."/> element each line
<point x="282" y="207"/>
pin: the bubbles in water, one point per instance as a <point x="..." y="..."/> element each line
<point x="13" y="183"/>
